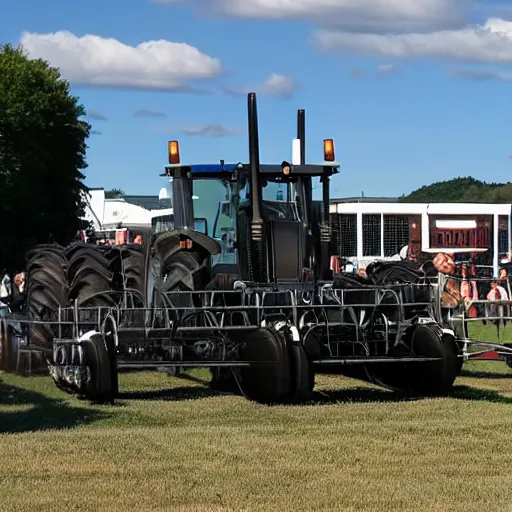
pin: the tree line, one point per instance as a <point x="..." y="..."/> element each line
<point x="43" y="142"/>
<point x="461" y="190"/>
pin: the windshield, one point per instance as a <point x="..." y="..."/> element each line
<point x="211" y="200"/>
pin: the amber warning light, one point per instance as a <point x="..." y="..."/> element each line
<point x="329" y="150"/>
<point x="174" y="152"/>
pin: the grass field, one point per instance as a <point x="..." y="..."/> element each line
<point x="171" y="444"/>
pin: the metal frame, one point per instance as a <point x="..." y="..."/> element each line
<point x="330" y="323"/>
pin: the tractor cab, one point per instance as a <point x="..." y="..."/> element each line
<point x="259" y="215"/>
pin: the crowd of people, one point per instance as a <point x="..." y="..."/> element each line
<point x="469" y="284"/>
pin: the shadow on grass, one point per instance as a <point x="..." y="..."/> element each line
<point x="479" y="395"/>
<point x="44" y="413"/>
<point x="367" y="395"/>
<point x="484" y="375"/>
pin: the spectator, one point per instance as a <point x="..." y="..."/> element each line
<point x="468" y="292"/>
<point x="494" y="308"/>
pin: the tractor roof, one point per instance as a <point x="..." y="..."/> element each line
<point x="269" y="171"/>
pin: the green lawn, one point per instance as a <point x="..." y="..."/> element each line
<point x="171" y="444"/>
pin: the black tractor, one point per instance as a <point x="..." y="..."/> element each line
<point x="251" y="295"/>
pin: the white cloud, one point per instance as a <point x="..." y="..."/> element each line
<point x="491" y="42"/>
<point x="357" y="15"/>
<point x="210" y="130"/>
<point x="280" y="86"/>
<point x="100" y="62"/>
<point x="386" y="69"/>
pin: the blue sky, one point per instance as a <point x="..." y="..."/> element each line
<point x="412" y="91"/>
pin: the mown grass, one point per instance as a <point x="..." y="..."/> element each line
<point x="171" y="444"/>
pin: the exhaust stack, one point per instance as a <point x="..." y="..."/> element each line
<point x="254" y="162"/>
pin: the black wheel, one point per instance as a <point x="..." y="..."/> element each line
<point x="100" y="388"/>
<point x="8" y="348"/>
<point x="302" y="374"/>
<point x="269" y="379"/>
<point x="90" y="277"/>
<point x="182" y="273"/>
<point x="46" y="290"/>
<point x="428" y="378"/>
<point x="129" y="264"/>
<point x="436" y="377"/>
<point x="170" y="277"/>
<point x="91" y="283"/>
<point x="133" y="268"/>
<point x="109" y="336"/>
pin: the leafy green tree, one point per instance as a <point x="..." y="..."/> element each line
<point x="42" y="153"/>
<point x="461" y="190"/>
<point x="114" y="193"/>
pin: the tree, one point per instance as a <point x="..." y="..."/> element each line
<point x="461" y="190"/>
<point x="114" y="193"/>
<point x="42" y="153"/>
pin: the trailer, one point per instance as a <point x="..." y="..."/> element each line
<point x="392" y="231"/>
<point x="253" y="298"/>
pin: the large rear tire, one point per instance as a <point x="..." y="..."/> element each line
<point x="47" y="290"/>
<point x="92" y="285"/>
<point x="90" y="276"/>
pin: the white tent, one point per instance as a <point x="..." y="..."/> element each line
<point x="118" y="211"/>
<point x="110" y="213"/>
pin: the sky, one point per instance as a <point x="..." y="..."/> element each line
<point x="411" y="91"/>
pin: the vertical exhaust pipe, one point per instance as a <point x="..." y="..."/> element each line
<point x="306" y="180"/>
<point x="301" y="134"/>
<point x="306" y="192"/>
<point x="254" y="162"/>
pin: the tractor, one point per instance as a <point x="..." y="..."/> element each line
<point x="253" y="297"/>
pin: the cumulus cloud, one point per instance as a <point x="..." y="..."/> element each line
<point x="210" y="130"/>
<point x="96" y="115"/>
<point x="356" y="15"/>
<point x="491" y="42"/>
<point x="280" y="86"/>
<point x="95" y="61"/>
<point x="146" y="112"/>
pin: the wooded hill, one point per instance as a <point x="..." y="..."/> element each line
<point x="461" y="190"/>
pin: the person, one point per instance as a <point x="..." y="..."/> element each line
<point x="5" y="286"/>
<point x="443" y="266"/>
<point x="17" y="301"/>
<point x="494" y="308"/>
<point x="468" y="292"/>
<point x="444" y="262"/>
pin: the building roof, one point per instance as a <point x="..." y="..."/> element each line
<point x="365" y="200"/>
<point x="148" y="202"/>
<point x="153" y="203"/>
